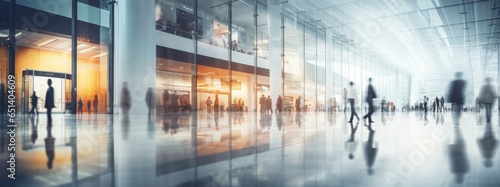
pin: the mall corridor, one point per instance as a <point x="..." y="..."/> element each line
<point x="254" y="149"/>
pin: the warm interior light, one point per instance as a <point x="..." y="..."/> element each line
<point x="61" y="45"/>
<point x="18" y="34"/>
<point x="88" y="49"/>
<point x="99" y="55"/>
<point x="46" y="42"/>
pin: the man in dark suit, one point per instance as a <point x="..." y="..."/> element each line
<point x="49" y="100"/>
<point x="369" y="99"/>
<point x="456" y="95"/>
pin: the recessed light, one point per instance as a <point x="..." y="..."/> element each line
<point x="161" y="64"/>
<point x="46" y="42"/>
<point x="181" y="67"/>
<point x="88" y="49"/>
<point x="99" y="55"/>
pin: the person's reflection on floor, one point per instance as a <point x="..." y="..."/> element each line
<point x="49" y="146"/>
<point x="175" y="123"/>
<point x="151" y="128"/>
<point x="351" y="144"/>
<point x="370" y="150"/>
<point x="166" y="125"/>
<point x="96" y="123"/>
<point x="459" y="161"/>
<point x="298" y="121"/>
<point x="488" y="145"/>
<point x="216" y="120"/>
<point x="125" y="125"/>
<point x="279" y="120"/>
<point x="34" y="130"/>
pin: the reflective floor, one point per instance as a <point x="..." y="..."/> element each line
<point x="254" y="149"/>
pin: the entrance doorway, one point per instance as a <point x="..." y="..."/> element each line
<point x="34" y="80"/>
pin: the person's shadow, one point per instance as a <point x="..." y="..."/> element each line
<point x="370" y="150"/>
<point x="351" y="144"/>
<point x="50" y="146"/>
<point x="459" y="161"/>
<point x="488" y="145"/>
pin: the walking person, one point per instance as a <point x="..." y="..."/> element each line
<point x="150" y="101"/>
<point x="216" y="103"/>
<point x="456" y="96"/>
<point x="96" y="104"/>
<point x="369" y="99"/>
<point x="208" y="102"/>
<point x="442" y="103"/>
<point x="49" y="100"/>
<point x="487" y="97"/>
<point x="88" y="106"/>
<point x="297" y="104"/>
<point x="279" y="104"/>
<point x="437" y="104"/>
<point x="269" y="104"/>
<point x="345" y="99"/>
<point x="80" y="105"/>
<point x="262" y="102"/>
<point x="34" y="104"/>
<point x="125" y="100"/>
<point x="166" y="96"/>
<point x="351" y="96"/>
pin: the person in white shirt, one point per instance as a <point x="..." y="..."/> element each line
<point x="351" y="96"/>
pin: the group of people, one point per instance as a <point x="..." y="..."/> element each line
<point x="34" y="103"/>
<point x="352" y="95"/>
<point x="266" y="104"/>
<point x="173" y="102"/>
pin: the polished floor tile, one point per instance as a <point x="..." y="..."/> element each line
<point x="254" y="149"/>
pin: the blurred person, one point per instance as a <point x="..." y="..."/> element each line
<point x="34" y="104"/>
<point x="3" y="105"/>
<point x="383" y="104"/>
<point x="335" y="104"/>
<point x="269" y="104"/>
<point x="150" y="101"/>
<point x="125" y="100"/>
<point x="49" y="100"/>
<point x="437" y="104"/>
<point x="426" y="99"/>
<point x="216" y="103"/>
<point x="369" y="99"/>
<point x="262" y="102"/>
<point x="487" y="97"/>
<point x="279" y="104"/>
<point x="96" y="104"/>
<point x="441" y="101"/>
<point x="345" y="99"/>
<point x="175" y="102"/>
<point x="456" y="96"/>
<point x="352" y="96"/>
<point x="89" y="104"/>
<point x="208" y="102"/>
<point x="166" y="97"/>
<point x="297" y="104"/>
<point x="80" y="105"/>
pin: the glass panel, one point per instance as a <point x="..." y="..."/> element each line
<point x="4" y="55"/>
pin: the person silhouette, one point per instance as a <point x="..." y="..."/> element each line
<point x="352" y="96"/>
<point x="351" y="144"/>
<point x="80" y="105"/>
<point x="369" y="99"/>
<point x="150" y="100"/>
<point x="459" y="161"/>
<point x="88" y="106"/>
<point x="96" y="104"/>
<point x="487" y="97"/>
<point x="370" y="150"/>
<point x="49" y="100"/>
<point x="34" y="104"/>
<point x="488" y="145"/>
<point x="456" y="96"/>
<point x="125" y="100"/>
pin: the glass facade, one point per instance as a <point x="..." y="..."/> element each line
<point x="222" y="53"/>
<point x="44" y="51"/>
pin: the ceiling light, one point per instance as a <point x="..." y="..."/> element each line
<point x="99" y="55"/>
<point x="46" y="42"/>
<point x="81" y="45"/>
<point x="18" y="34"/>
<point x="161" y="64"/>
<point x="88" y="49"/>
<point x="61" y="45"/>
<point x="181" y="67"/>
